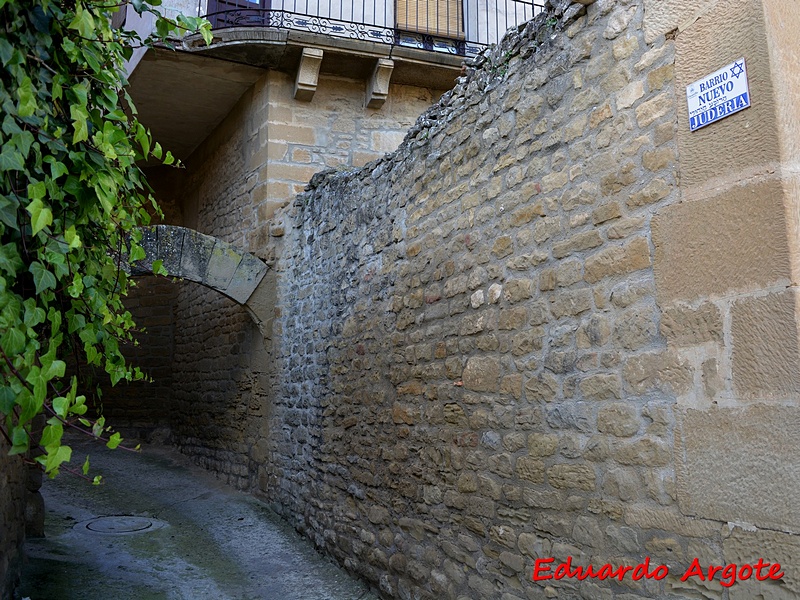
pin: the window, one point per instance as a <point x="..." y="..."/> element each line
<point x="441" y="18"/>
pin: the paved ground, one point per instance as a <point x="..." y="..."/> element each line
<point x="206" y="540"/>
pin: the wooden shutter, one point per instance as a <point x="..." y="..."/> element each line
<point x="442" y="18"/>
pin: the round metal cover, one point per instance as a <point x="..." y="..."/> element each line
<point x="120" y="525"/>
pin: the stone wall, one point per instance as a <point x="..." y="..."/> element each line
<point x="511" y="339"/>
<point x="553" y="324"/>
<point x="139" y="408"/>
<point x="220" y="373"/>
<point x="13" y="474"/>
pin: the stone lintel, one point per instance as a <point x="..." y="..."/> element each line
<point x="249" y="273"/>
<point x="170" y="247"/>
<point x="197" y="249"/>
<point x="221" y="266"/>
<point x="378" y="86"/>
<point x="307" y="74"/>
<point x="149" y="244"/>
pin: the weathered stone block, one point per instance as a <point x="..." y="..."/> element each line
<point x="571" y="476"/>
<point x="618" y="260"/>
<point x="482" y="374"/>
<point x="615" y="182"/>
<point x="577" y="243"/>
<point x="766" y="351"/>
<point x="741" y="546"/>
<point x="542" y="444"/>
<point x="685" y="326"/>
<point x="624" y="484"/>
<point x="170" y="247"/>
<point x="512" y="318"/>
<point x="635" y="328"/>
<point x="378" y="515"/>
<point x="656" y="108"/>
<point x="543" y="387"/>
<point x="593" y="331"/>
<point x="655" y="190"/>
<point x="658" y="371"/>
<point x="222" y="265"/>
<point x="527" y="341"/>
<point x="516" y="290"/>
<point x="625" y="227"/>
<point x="503" y="246"/>
<point x="606" y="212"/>
<point x="402" y="413"/>
<point x="715" y="446"/>
<point x="645" y="452"/>
<point x="601" y="386"/>
<point x="621" y="420"/>
<point x="628" y="95"/>
<point x="571" y="303"/>
<point x="669" y="519"/>
<point x="249" y="273"/>
<point x="530" y="469"/>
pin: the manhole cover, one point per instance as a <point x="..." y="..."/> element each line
<point x="119" y="525"/>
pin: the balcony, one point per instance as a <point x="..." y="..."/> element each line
<point x="459" y="27"/>
<point x="184" y="95"/>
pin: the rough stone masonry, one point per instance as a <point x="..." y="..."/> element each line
<point x="551" y="324"/>
<point x="555" y="323"/>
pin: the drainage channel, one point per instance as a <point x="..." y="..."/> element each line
<point x="119" y="525"/>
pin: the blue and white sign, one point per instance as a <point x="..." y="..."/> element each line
<point x="718" y="95"/>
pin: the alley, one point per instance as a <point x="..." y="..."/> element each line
<point x="177" y="534"/>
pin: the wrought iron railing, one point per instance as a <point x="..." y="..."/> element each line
<point x="461" y="27"/>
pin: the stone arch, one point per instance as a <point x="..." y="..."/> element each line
<point x="189" y="254"/>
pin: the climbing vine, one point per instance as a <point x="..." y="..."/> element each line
<point x="71" y="198"/>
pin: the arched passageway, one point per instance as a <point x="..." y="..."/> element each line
<point x="189" y="254"/>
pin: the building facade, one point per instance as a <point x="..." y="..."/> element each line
<point x="555" y="326"/>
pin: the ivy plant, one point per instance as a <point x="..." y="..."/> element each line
<point x="71" y="199"/>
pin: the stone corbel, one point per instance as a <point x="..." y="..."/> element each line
<point x="378" y="87"/>
<point x="307" y="74"/>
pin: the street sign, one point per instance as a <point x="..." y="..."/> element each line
<point x="718" y="95"/>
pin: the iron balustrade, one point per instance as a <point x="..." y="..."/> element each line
<point x="462" y="27"/>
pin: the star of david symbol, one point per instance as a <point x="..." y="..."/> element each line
<point x="737" y="69"/>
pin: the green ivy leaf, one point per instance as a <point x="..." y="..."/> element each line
<point x="79" y="117"/>
<point x="11" y="159"/>
<point x="83" y="22"/>
<point x="41" y="216"/>
<point x="42" y="278"/>
<point x="10" y="260"/>
<point x="8" y="212"/>
<point x="56" y="456"/>
<point x="6" y="49"/>
<point x="19" y="440"/>
<point x="114" y="441"/>
<point x="13" y="342"/>
<point x="27" y="98"/>
<point x="61" y="406"/>
<point x="72" y="238"/>
<point x="158" y="268"/>
<point x="52" y="434"/>
<point x="7" y="400"/>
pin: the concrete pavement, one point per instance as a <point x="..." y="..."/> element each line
<point x="178" y="534"/>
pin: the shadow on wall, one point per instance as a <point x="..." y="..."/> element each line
<point x="211" y="383"/>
